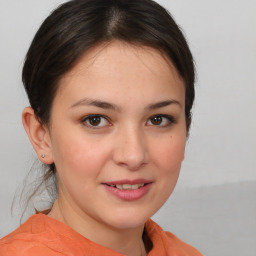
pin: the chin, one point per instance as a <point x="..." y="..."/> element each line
<point x="129" y="219"/>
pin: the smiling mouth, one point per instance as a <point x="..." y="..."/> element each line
<point x="129" y="190"/>
<point x="127" y="186"/>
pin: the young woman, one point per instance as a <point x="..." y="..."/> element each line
<point x="111" y="86"/>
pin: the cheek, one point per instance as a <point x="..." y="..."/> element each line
<point x="168" y="156"/>
<point x="169" y="153"/>
<point x="79" y="156"/>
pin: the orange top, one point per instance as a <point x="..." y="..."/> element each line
<point x="41" y="235"/>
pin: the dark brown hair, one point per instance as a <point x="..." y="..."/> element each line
<point x="78" y="25"/>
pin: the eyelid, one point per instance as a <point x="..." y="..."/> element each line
<point x="170" y="119"/>
<point x="84" y="119"/>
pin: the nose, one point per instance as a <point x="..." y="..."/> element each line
<point x="130" y="149"/>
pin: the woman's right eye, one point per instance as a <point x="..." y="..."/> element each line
<point x="96" y="121"/>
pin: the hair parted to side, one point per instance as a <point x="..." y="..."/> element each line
<point x="78" y="25"/>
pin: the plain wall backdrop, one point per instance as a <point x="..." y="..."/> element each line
<point x="221" y="148"/>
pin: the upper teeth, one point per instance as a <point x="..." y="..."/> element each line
<point x="128" y="186"/>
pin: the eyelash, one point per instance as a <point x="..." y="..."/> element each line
<point x="170" y="119"/>
<point x="87" y="121"/>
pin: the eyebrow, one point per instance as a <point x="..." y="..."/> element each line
<point x="162" y="104"/>
<point x="107" y="105"/>
<point x="96" y="103"/>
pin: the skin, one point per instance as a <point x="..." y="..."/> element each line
<point x="125" y="144"/>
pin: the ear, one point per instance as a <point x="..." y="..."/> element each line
<point x="38" y="135"/>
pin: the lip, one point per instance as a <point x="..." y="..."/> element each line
<point x="131" y="182"/>
<point x="129" y="194"/>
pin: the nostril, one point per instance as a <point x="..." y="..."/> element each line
<point x="130" y="151"/>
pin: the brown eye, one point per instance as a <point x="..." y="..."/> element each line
<point x="156" y="120"/>
<point x="95" y="121"/>
<point x="161" y="120"/>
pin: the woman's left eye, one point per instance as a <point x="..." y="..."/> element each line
<point x="96" y="121"/>
<point x="161" y="120"/>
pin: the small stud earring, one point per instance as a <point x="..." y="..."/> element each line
<point x="43" y="155"/>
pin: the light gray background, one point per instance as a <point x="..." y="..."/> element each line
<point x="214" y="204"/>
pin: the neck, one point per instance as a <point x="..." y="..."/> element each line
<point x="98" y="232"/>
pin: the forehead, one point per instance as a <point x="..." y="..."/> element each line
<point x="121" y="53"/>
<point x="121" y="68"/>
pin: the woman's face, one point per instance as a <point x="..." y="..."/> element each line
<point x="118" y="134"/>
